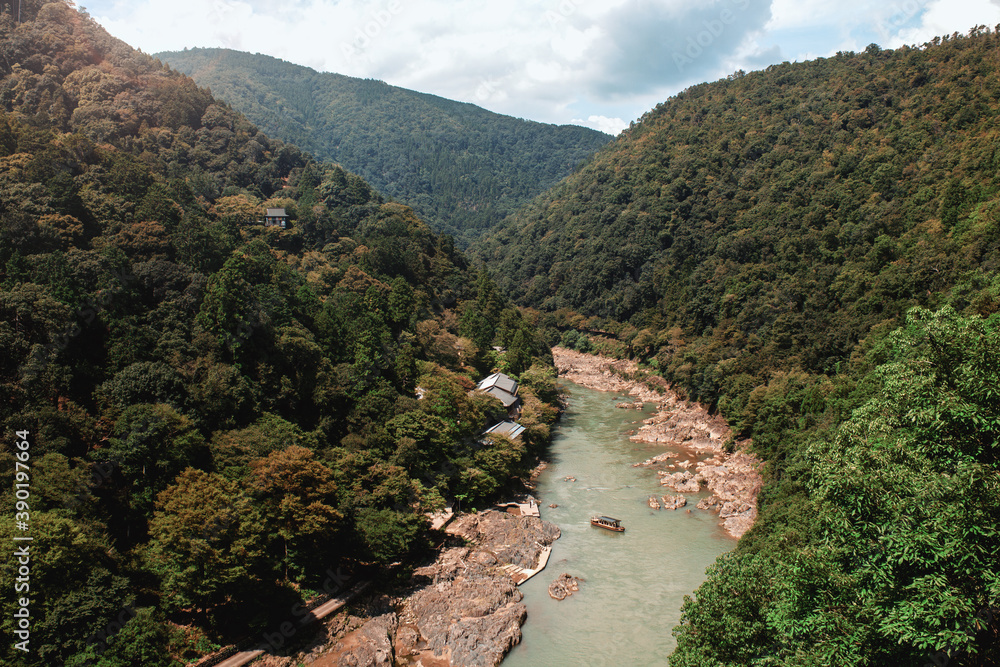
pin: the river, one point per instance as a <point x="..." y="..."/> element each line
<point x="635" y="581"/>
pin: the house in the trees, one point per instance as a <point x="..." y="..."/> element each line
<point x="503" y="387"/>
<point x="276" y="217"/>
<point x="511" y="429"/>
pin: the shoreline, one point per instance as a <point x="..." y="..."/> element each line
<point x="461" y="608"/>
<point x="733" y="478"/>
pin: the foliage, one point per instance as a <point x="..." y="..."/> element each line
<point x="897" y="562"/>
<point x="462" y="168"/>
<point x="771" y="221"/>
<point x="218" y="412"/>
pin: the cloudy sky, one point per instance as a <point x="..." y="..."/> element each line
<point x="600" y="63"/>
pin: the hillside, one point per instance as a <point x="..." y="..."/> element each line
<point x="461" y="167"/>
<point x="772" y="219"/>
<point x="813" y="251"/>
<point x="204" y="415"/>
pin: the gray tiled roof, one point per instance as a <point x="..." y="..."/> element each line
<point x="508" y="428"/>
<point x="500" y="381"/>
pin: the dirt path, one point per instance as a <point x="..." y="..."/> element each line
<point x="733" y="478"/>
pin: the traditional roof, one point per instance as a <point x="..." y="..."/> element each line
<point x="500" y="381"/>
<point x="506" y="398"/>
<point x="276" y="213"/>
<point x="508" y="428"/>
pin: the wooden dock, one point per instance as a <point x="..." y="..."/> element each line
<point x="520" y="574"/>
<point x="529" y="508"/>
<point x="440" y="519"/>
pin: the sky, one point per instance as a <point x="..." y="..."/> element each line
<point x="597" y="63"/>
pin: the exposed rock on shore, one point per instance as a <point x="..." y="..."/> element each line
<point x="471" y="620"/>
<point x="681" y="424"/>
<point x="682" y="482"/>
<point x="471" y="613"/>
<point x="464" y="610"/>
<point x="659" y="458"/>
<point x="368" y="646"/>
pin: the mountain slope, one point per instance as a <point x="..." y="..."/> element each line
<point x="813" y="250"/>
<point x="206" y="415"/>
<point x="461" y="167"/>
<point x="772" y="219"/>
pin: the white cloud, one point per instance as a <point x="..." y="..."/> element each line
<point x="549" y="60"/>
<point x="611" y="126"/>
<point x="944" y="17"/>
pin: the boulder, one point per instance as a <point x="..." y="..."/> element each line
<point x="682" y="482"/>
<point x="564" y="586"/>
<point x="473" y="620"/>
<point x="369" y="646"/>
<point x="659" y="458"/>
<point x="710" y="503"/>
<point x="407" y="639"/>
<point x="674" y="502"/>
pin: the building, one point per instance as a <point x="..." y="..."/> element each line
<point x="503" y="387"/>
<point x="276" y="217"/>
<point x="512" y="430"/>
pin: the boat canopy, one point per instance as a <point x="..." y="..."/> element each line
<point x="607" y="518"/>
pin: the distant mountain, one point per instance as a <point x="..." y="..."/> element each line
<point x="461" y="167"/>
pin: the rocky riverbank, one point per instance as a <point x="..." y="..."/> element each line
<point x="733" y="478"/>
<point x="463" y="610"/>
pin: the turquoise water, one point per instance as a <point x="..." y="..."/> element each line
<point x="635" y="581"/>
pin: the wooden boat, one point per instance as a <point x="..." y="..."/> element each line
<point x="607" y="523"/>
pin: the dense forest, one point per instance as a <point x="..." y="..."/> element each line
<point x="462" y="168"/>
<point x="211" y="415"/>
<point x="813" y="251"/>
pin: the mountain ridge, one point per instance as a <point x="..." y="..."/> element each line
<point x="812" y="250"/>
<point x="212" y="413"/>
<point x="461" y="166"/>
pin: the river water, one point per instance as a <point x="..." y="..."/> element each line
<point x="635" y="581"/>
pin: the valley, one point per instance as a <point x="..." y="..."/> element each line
<point x="253" y="357"/>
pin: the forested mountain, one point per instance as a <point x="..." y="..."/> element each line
<point x="206" y="415"/>
<point x="813" y="250"/>
<point x="461" y="167"/>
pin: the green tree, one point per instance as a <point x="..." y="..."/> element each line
<point x="386" y="534"/>
<point x="151" y="445"/>
<point x="297" y="496"/>
<point x="205" y="542"/>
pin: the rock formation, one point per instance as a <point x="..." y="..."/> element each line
<point x="684" y="425"/>
<point x="682" y="482"/>
<point x="465" y="610"/>
<point x="564" y="586"/>
<point x="674" y="502"/>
